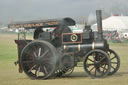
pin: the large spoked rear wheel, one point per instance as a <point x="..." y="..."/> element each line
<point x="97" y="63"/>
<point x="39" y="60"/>
<point x="115" y="61"/>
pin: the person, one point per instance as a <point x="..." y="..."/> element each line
<point x="37" y="32"/>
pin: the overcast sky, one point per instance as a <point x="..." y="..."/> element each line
<point x="19" y="10"/>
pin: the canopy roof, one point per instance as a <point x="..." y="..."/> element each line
<point x="42" y="23"/>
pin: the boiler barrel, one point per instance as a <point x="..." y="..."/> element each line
<point x="84" y="47"/>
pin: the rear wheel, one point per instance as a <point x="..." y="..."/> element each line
<point x="97" y="63"/>
<point x="39" y="60"/>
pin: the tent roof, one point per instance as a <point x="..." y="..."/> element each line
<point x="114" y="23"/>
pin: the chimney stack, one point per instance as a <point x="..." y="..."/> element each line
<point x="99" y="24"/>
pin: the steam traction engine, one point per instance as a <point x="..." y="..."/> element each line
<point x="56" y="52"/>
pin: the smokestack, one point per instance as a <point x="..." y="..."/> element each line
<point x="99" y="24"/>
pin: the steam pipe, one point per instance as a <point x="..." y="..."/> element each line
<point x="99" y="24"/>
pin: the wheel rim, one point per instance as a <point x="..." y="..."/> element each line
<point x="115" y="61"/>
<point x="97" y="63"/>
<point x="38" y="61"/>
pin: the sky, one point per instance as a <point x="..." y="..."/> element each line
<point x="23" y="10"/>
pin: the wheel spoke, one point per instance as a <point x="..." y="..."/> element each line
<point x="104" y="68"/>
<point x="112" y="67"/>
<point x="34" y="48"/>
<point x="39" y="52"/>
<point x="45" y="53"/>
<point x="90" y="60"/>
<point x="45" y="70"/>
<point x="35" y="55"/>
<point x="89" y="65"/>
<point x="38" y="71"/>
<point x="31" y="68"/>
<point x="95" y="71"/>
<point x="101" y="59"/>
<point x="91" y="69"/>
<point x="104" y="63"/>
<point x="113" y="58"/>
<point x="114" y="62"/>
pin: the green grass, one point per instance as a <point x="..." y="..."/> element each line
<point x="7" y="47"/>
<point x="9" y="72"/>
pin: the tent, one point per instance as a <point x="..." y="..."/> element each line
<point x="113" y="23"/>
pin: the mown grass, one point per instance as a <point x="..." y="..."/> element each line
<point x="9" y="73"/>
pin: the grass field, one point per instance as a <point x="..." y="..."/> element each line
<point x="9" y="74"/>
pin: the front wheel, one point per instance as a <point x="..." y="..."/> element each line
<point x="115" y="61"/>
<point x="97" y="63"/>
